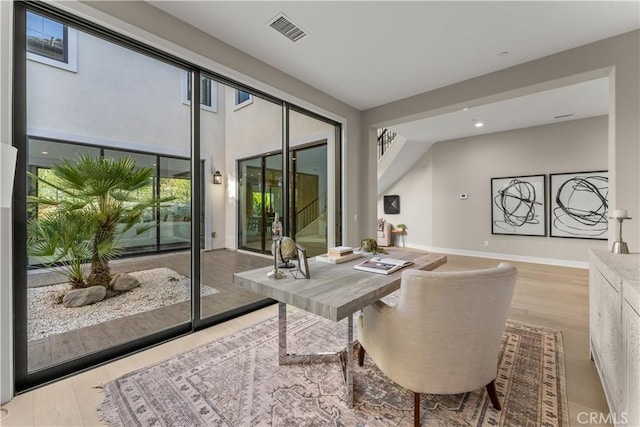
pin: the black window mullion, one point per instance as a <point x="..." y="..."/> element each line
<point x="263" y="199"/>
<point x="195" y="199"/>
<point x="286" y="224"/>
<point x="19" y="210"/>
<point x="65" y="44"/>
<point x="157" y="195"/>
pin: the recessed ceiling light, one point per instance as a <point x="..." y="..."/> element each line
<point x="504" y="53"/>
<point x="479" y="124"/>
<point x="465" y="109"/>
<point x="45" y="152"/>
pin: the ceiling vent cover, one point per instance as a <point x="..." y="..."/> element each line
<point x="282" y="24"/>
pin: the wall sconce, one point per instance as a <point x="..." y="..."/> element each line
<point x="217" y="177"/>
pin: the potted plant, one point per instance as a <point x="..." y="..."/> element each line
<point x="98" y="205"/>
<point x="401" y="227"/>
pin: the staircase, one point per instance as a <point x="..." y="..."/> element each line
<point x="396" y="155"/>
<point x="385" y="139"/>
<point x="311" y="218"/>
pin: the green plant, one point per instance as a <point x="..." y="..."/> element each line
<point x="370" y="245"/>
<point x="64" y="240"/>
<point x="99" y="203"/>
<point x="402" y="226"/>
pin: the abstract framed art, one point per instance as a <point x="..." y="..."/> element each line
<point x="579" y="205"/>
<point x="518" y="205"/>
<point x="392" y="204"/>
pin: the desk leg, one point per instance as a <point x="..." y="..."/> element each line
<point x="349" y="370"/>
<point x="345" y="357"/>
<point x="282" y="333"/>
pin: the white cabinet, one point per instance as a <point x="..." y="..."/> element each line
<point x="631" y="324"/>
<point x="614" y="331"/>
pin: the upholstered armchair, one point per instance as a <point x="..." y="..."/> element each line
<point x="383" y="238"/>
<point x="443" y="335"/>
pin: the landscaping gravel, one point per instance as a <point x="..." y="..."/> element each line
<point x="159" y="287"/>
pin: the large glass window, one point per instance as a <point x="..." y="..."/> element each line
<point x="242" y="99"/>
<point x="250" y="205"/>
<point x="119" y="183"/>
<point x="175" y="215"/>
<point x="114" y="181"/>
<point x="208" y="92"/>
<point x="46" y="37"/>
<point x="315" y="195"/>
<point x="51" y="42"/>
<point x="309" y="198"/>
<point x="260" y="200"/>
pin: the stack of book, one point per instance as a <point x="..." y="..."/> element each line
<point x="339" y="254"/>
<point x="339" y="251"/>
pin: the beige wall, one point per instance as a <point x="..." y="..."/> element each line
<point x="616" y="57"/>
<point x="467" y="165"/>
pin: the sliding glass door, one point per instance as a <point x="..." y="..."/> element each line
<point x="259" y="201"/>
<point x="309" y="198"/>
<point x="107" y="171"/>
<point x="139" y="175"/>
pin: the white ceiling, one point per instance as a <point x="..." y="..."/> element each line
<point x="368" y="53"/>
<point x="578" y="101"/>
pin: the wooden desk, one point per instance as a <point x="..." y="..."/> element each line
<point x="335" y="292"/>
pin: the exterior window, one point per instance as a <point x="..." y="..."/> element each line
<point x="242" y="99"/>
<point x="51" y="42"/>
<point x="208" y="92"/>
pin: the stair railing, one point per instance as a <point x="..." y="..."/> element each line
<point x="385" y="139"/>
<point x="310" y="212"/>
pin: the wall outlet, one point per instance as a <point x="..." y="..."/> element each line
<point x="486" y="243"/>
<point x="463" y="196"/>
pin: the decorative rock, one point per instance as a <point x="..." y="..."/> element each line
<point x="124" y="282"/>
<point x="113" y="279"/>
<point x="80" y="297"/>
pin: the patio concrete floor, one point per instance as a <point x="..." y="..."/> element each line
<point x="217" y="269"/>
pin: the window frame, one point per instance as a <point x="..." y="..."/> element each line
<point x="236" y="105"/>
<point x="213" y="92"/>
<point x="70" y="43"/>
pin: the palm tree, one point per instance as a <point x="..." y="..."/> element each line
<point x="87" y="223"/>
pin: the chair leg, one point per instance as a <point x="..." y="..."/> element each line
<point x="493" y="395"/>
<point x="360" y="355"/>
<point x="416" y="409"/>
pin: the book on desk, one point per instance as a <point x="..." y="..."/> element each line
<point x="382" y="265"/>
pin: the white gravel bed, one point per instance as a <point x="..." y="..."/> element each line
<point x="159" y="287"/>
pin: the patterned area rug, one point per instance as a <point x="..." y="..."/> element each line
<point x="236" y="381"/>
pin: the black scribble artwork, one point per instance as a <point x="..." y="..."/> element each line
<point x="517" y="202"/>
<point x="581" y="206"/>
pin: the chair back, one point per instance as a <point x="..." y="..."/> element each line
<point x="448" y="329"/>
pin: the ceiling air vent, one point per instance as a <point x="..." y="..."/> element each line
<point x="282" y="24"/>
<point x="563" y="116"/>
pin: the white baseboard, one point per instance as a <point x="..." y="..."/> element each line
<point x="505" y="257"/>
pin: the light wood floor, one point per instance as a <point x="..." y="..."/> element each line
<point x="545" y="295"/>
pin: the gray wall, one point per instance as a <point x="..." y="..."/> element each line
<point x="437" y="218"/>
